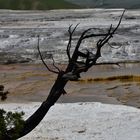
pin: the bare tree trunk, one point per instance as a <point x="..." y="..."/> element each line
<point x="55" y="93"/>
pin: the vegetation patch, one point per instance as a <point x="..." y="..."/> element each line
<point x="36" y="4"/>
<point x="9" y="120"/>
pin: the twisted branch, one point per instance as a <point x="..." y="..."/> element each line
<point x="41" y="57"/>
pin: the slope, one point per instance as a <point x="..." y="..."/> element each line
<point x="128" y="4"/>
<point x="35" y="4"/>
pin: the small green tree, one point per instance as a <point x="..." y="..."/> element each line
<point x="9" y="120"/>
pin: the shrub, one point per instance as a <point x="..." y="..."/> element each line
<point x="9" y="120"/>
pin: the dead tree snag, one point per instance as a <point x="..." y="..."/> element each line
<point x="74" y="68"/>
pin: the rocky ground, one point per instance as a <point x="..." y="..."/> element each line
<point x="19" y="30"/>
<point x="107" y="84"/>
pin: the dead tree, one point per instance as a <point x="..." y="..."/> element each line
<point x="72" y="72"/>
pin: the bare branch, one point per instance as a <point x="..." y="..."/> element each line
<point x="70" y="39"/>
<point x="83" y="36"/>
<point x="101" y="42"/>
<point x="110" y="34"/>
<point x="119" y="22"/>
<point x="105" y="40"/>
<point x="55" y="65"/>
<point x="41" y="57"/>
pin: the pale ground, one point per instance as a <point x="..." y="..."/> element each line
<point x="19" y="30"/>
<point x="83" y="121"/>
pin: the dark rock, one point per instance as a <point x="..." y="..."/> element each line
<point x="1" y="88"/>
